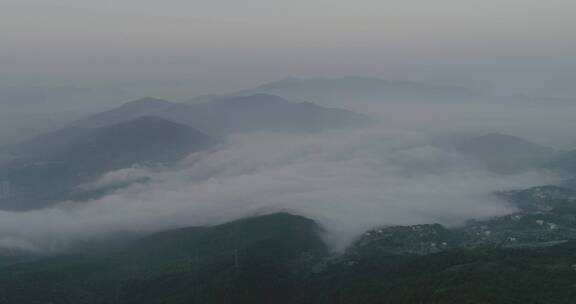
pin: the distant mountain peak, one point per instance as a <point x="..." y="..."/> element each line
<point x="280" y="84"/>
<point x="69" y="158"/>
<point x="146" y="120"/>
<point x="133" y="109"/>
<point x="254" y="99"/>
<point x="147" y="102"/>
<point x="365" y="89"/>
<point x="505" y="140"/>
<point x="221" y="116"/>
<point x="505" y="153"/>
<point x="501" y="136"/>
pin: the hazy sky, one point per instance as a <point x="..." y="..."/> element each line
<point x="516" y="45"/>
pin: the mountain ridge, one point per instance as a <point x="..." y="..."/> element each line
<point x="226" y="115"/>
<point x="41" y="178"/>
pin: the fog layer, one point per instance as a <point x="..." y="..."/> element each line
<point x="348" y="180"/>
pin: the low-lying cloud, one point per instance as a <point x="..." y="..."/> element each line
<point x="348" y="181"/>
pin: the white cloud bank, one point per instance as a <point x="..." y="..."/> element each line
<point x="348" y="180"/>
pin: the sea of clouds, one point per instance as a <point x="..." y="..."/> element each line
<point x="348" y="180"/>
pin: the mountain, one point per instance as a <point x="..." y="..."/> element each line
<point x="504" y="153"/>
<point x="253" y="260"/>
<point x="132" y="110"/>
<point x="264" y="112"/>
<point x="545" y="216"/>
<point x="41" y="176"/>
<point x="29" y="111"/>
<point x="485" y="275"/>
<point x="416" y="239"/>
<point x="564" y="163"/>
<point x="331" y="91"/>
<point x="280" y="258"/>
<point x="223" y="116"/>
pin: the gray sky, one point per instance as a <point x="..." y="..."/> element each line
<point x="512" y="45"/>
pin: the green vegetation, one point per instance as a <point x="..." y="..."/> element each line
<point x="526" y="257"/>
